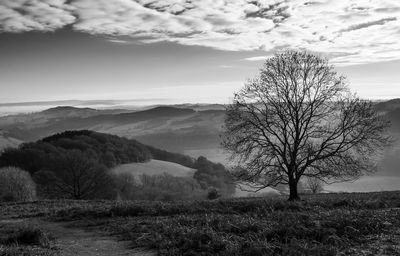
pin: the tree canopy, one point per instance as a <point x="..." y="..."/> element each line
<point x="108" y="150"/>
<point x="74" y="164"/>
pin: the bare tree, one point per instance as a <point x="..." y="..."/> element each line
<point x="298" y="118"/>
<point x="79" y="177"/>
<point x="314" y="184"/>
<point x="126" y="185"/>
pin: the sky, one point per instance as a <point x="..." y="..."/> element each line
<point x="178" y="51"/>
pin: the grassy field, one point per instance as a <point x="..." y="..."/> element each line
<point x="327" y="224"/>
<point x="154" y="167"/>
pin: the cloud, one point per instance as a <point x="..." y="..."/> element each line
<point x="368" y="24"/>
<point x="224" y="66"/>
<point x="257" y="58"/>
<point x="118" y="41"/>
<point x="27" y="15"/>
<point x="348" y="31"/>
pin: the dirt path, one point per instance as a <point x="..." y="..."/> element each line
<point x="74" y="241"/>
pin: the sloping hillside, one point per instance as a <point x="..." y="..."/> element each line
<point x="154" y="167"/>
<point x="6" y="141"/>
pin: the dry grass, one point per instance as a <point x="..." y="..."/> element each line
<point x="329" y="224"/>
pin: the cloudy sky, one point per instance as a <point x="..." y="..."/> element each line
<point x="174" y="51"/>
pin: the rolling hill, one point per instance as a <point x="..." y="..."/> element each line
<point x="170" y="128"/>
<point x="154" y="167"/>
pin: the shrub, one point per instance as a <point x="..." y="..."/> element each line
<point x="213" y="193"/>
<point x="314" y="184"/>
<point x="16" y="185"/>
<point x="28" y="235"/>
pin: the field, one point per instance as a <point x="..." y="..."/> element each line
<point x="155" y="167"/>
<point x="328" y="224"/>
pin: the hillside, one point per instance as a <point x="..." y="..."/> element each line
<point x="154" y="167"/>
<point x="104" y="149"/>
<point x="76" y="164"/>
<point x="171" y="128"/>
<point x="6" y="141"/>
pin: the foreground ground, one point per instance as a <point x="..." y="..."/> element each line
<point x="330" y="224"/>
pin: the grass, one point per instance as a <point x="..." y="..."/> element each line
<point x="327" y="224"/>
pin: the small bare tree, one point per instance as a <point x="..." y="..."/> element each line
<point x="314" y="184"/>
<point x="297" y="119"/>
<point x="126" y="185"/>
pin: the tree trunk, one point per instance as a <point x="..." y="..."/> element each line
<point x="293" y="196"/>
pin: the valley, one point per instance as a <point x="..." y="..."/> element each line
<point x="190" y="129"/>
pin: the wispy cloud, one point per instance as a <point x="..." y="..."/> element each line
<point x="224" y="66"/>
<point x="359" y="31"/>
<point x="368" y="24"/>
<point x="118" y="41"/>
<point x="257" y="58"/>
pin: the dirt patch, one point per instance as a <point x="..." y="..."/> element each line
<point x="74" y="241"/>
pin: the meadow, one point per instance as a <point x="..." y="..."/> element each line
<point x="325" y="224"/>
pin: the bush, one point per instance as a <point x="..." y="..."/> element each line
<point x="213" y="193"/>
<point x="315" y="185"/>
<point x="16" y="185"/>
<point x="28" y="235"/>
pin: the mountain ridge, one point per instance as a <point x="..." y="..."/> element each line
<point x="176" y="128"/>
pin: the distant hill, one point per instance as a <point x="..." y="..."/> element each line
<point x="389" y="105"/>
<point x="192" y="129"/>
<point x="394" y="117"/>
<point x="6" y="141"/>
<point x="67" y="111"/>
<point x="171" y="128"/>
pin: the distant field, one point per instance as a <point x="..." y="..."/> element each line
<point x="155" y="167"/>
<point x="367" y="184"/>
<point x="378" y="182"/>
<point x="217" y="155"/>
